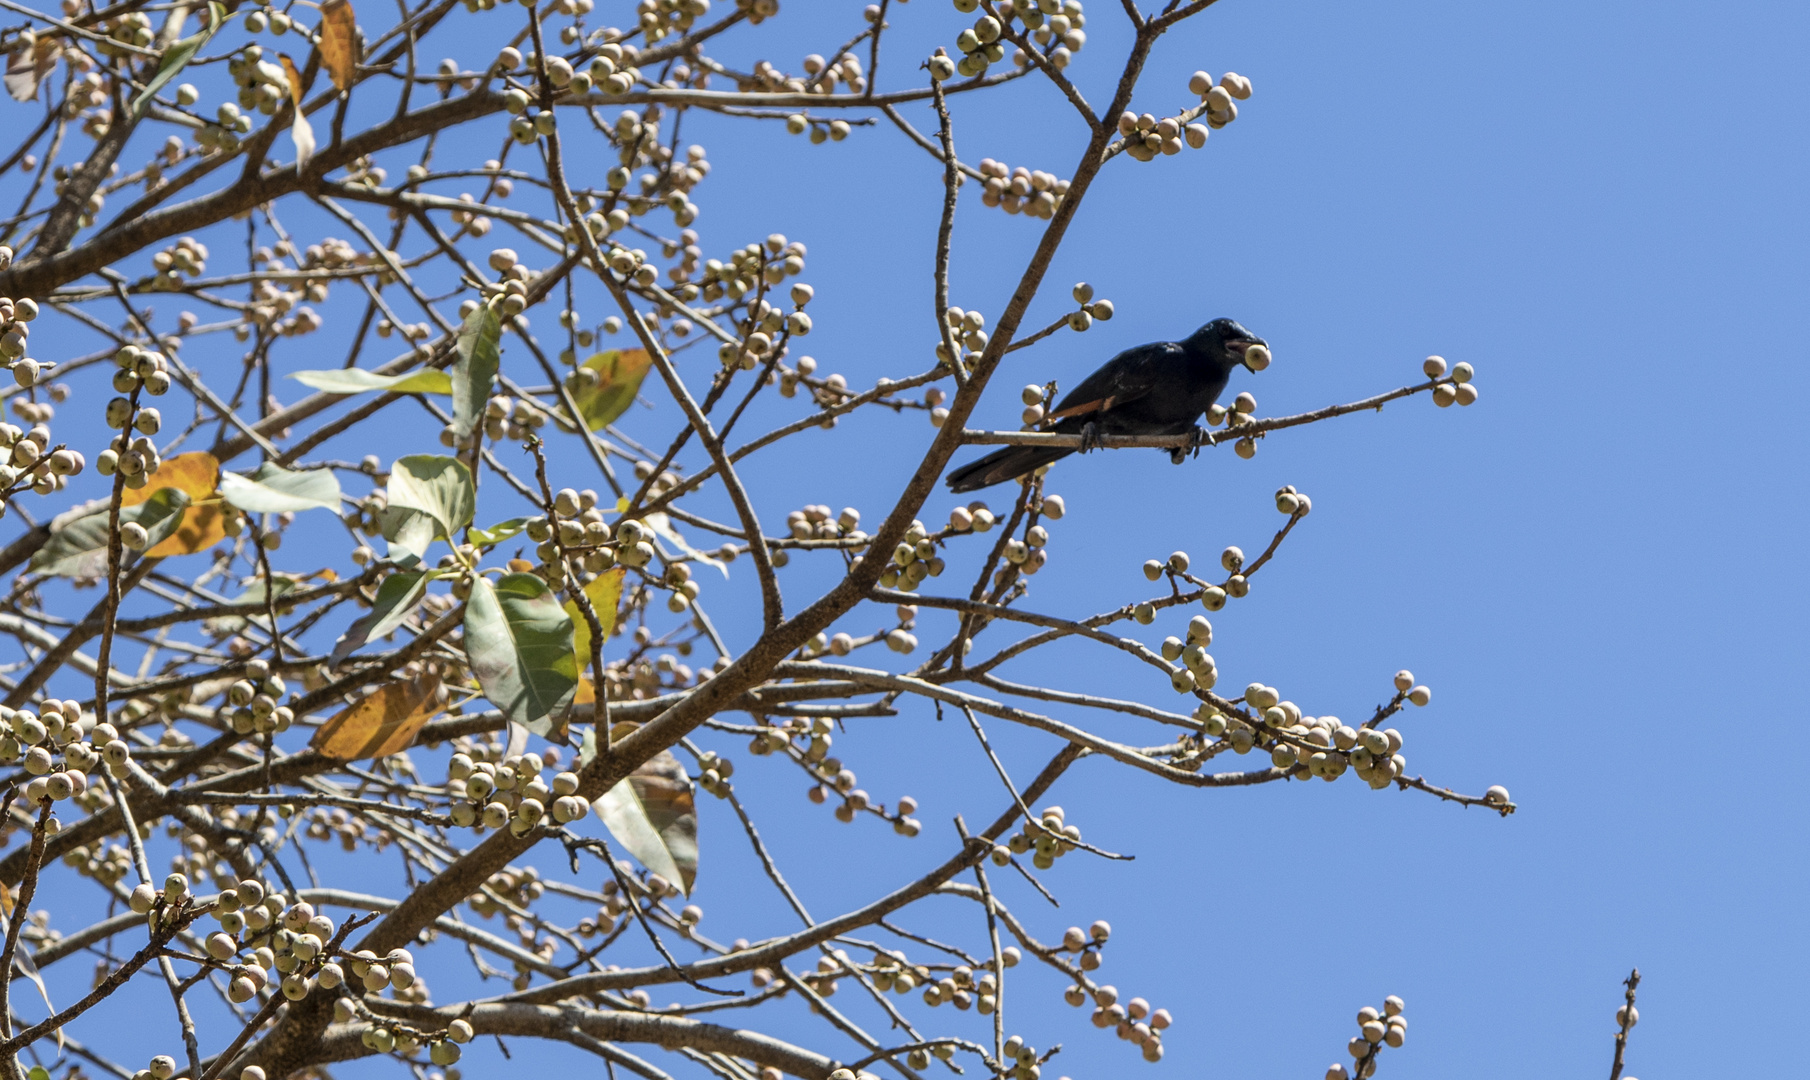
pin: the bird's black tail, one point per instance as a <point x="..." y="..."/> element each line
<point x="1004" y="464"/>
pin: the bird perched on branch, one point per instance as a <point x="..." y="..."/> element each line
<point x="1158" y="389"/>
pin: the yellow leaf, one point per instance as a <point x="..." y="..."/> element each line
<point x="339" y="42"/>
<point x="195" y="475"/>
<point x="384" y="723"/>
<point x="622" y="504"/>
<point x="605" y="593"/>
<point x="619" y="376"/>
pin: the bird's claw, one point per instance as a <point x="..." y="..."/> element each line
<point x="1090" y="436"/>
<point x="1195" y="441"/>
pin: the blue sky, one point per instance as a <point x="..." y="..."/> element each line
<point x="1596" y="568"/>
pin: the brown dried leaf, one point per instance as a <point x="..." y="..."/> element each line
<point x="384" y="723"/>
<point x="195" y="475"/>
<point x="339" y="42"/>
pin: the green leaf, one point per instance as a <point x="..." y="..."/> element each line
<point x="275" y="490"/>
<point x="396" y="599"/>
<point x="475" y="369"/>
<point x="619" y="375"/>
<point x="177" y="57"/>
<point x="436" y="486"/>
<point x="358" y="380"/>
<point x="519" y="642"/>
<point x="38" y="1072"/>
<point x="499" y="532"/>
<point x="79" y="549"/>
<point x="653" y="814"/>
<point x="410" y="533"/>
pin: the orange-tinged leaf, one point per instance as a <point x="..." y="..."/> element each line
<point x="586" y="694"/>
<point x="295" y="79"/>
<point x="384" y="723"/>
<point x="605" y="594"/>
<point x="619" y="375"/>
<point x="339" y="42"/>
<point x="195" y="475"/>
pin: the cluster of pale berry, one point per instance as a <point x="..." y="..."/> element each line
<point x="1031" y="192"/>
<point x="766" y="329"/>
<point x="965" y="988"/>
<point x="758" y="11"/>
<point x="1056" y="25"/>
<point x="131" y="29"/>
<point x="836" y="778"/>
<point x="135" y="458"/>
<point x="1460" y="390"/>
<point x="26" y="460"/>
<point x="263" y="84"/>
<point x="90" y="90"/>
<point x="40" y="412"/>
<point x="34" y="740"/>
<point x="386" y="1037"/>
<point x="1134" y="1021"/>
<point x="1321" y="746"/>
<point x="509" y="886"/>
<point x="258" y="20"/>
<point x="968" y="329"/>
<point x="747" y="268"/>
<point x="508" y="296"/>
<point x="913" y="559"/>
<point x="659" y="18"/>
<point x="510" y="793"/>
<point x="187" y="257"/>
<point x="817" y="522"/>
<point x="1197" y="670"/>
<point x="1046" y="840"/>
<point x="252" y="702"/>
<point x="1377" y="1028"/>
<point x="366" y="172"/>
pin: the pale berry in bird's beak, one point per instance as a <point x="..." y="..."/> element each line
<point x="1257" y="357"/>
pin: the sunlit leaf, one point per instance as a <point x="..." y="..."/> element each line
<point x="383" y="723"/>
<point x="619" y="380"/>
<point x="653" y="814"/>
<point x="358" y="380"/>
<point x="194" y="474"/>
<point x="475" y="369"/>
<point x="519" y="642"/>
<point x="177" y="57"/>
<point x="605" y="593"/>
<point x="339" y="42"/>
<point x="276" y="490"/>
<point x="431" y="498"/>
<point x="396" y="599"/>
<point x="499" y="532"/>
<point x="79" y="549"/>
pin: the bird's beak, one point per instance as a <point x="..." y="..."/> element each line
<point x="1249" y="355"/>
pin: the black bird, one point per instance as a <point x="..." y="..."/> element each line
<point x="1156" y="389"/>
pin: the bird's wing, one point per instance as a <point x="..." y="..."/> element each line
<point x="1125" y="378"/>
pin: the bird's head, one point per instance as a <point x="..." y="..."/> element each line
<point x="1226" y="341"/>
